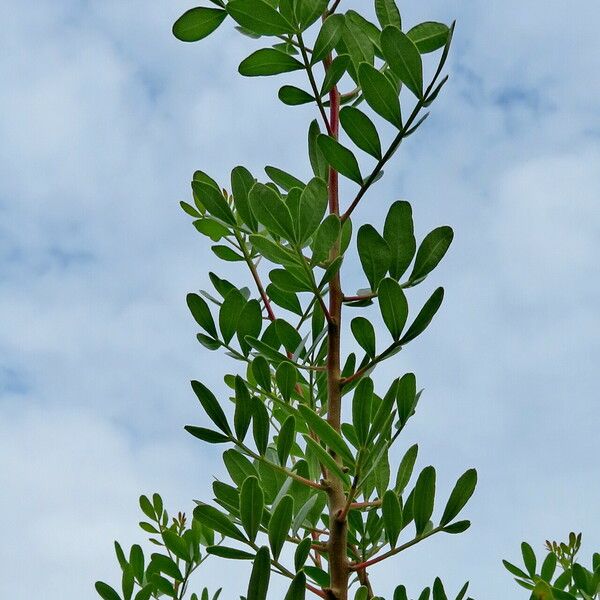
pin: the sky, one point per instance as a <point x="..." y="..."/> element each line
<point x="104" y="116"/>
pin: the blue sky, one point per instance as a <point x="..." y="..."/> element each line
<point x="103" y="118"/>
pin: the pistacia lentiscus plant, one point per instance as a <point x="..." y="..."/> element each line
<point x="560" y="576"/>
<point x="307" y="433"/>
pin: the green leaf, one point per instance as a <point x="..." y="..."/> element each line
<point x="286" y="376"/>
<point x="249" y="324"/>
<point x="335" y="72"/>
<point x="262" y="373"/>
<point x="400" y="593"/>
<point x="212" y="407"/>
<point x="268" y="61"/>
<point x="463" y="591"/>
<point x="145" y="593"/>
<point x="302" y="552"/>
<point x="259" y="578"/>
<point x="308" y="11"/>
<point x="216" y="520"/>
<point x="332" y="268"/>
<point x="207" y="435"/>
<point x="252" y="504"/>
<point x="528" y="558"/>
<point x="384" y="413"/>
<point x="329" y="36"/>
<point x="361" y="410"/>
<point x="148" y="509"/>
<point x="431" y="251"/>
<point x="279" y="524"/>
<point x="211" y="228"/>
<point x="201" y="313"/>
<point x="238" y="466"/>
<point x="260" y="426"/>
<point x="272" y="251"/>
<point x="243" y="408"/>
<point x="166" y="565"/>
<point x="106" y="592"/>
<point x="294" y="96"/>
<point x="392" y="516"/>
<point x="393" y="306"/>
<point x="374" y="254"/>
<point x="136" y="560"/>
<point x="198" y="23"/>
<point x="548" y="567"/>
<point x="229" y="553"/>
<point x="583" y="579"/>
<point x="429" y="36"/>
<point x="282" y="179"/>
<point x="271" y="211"/>
<point x="286" y="8"/>
<point x="388" y="13"/>
<point x="406" y="398"/>
<point x="162" y="585"/>
<point x="357" y="44"/>
<point x="458" y="527"/>
<point x="325" y="237"/>
<point x="286" y="300"/>
<point x="462" y="492"/>
<point x="242" y="182"/>
<point x="340" y="158"/>
<point x="438" y="590"/>
<point x="213" y="201"/>
<point x="404" y="59"/>
<point x="259" y="17"/>
<point x="229" y="314"/>
<point x="297" y="589"/>
<point x="424" y="498"/>
<point x="177" y="545"/>
<point x="364" y="333"/>
<point x="424" y="317"/>
<point x="317" y="159"/>
<point x="360" y="130"/>
<point x="362" y="593"/>
<point x="398" y="232"/>
<point x="405" y="469"/>
<point x="327" y="434"/>
<point x="313" y="204"/>
<point x="303" y="512"/>
<point x="326" y="459"/>
<point x="542" y="591"/>
<point x="227" y="254"/>
<point x="285" y="439"/>
<point x="190" y="210"/>
<point x="380" y="94"/>
<point x="370" y="30"/>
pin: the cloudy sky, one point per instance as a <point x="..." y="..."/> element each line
<point x="103" y="118"/>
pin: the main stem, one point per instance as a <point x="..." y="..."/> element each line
<point x="338" y="527"/>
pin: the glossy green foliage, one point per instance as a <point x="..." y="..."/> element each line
<point x="559" y="576"/>
<point x="284" y="449"/>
